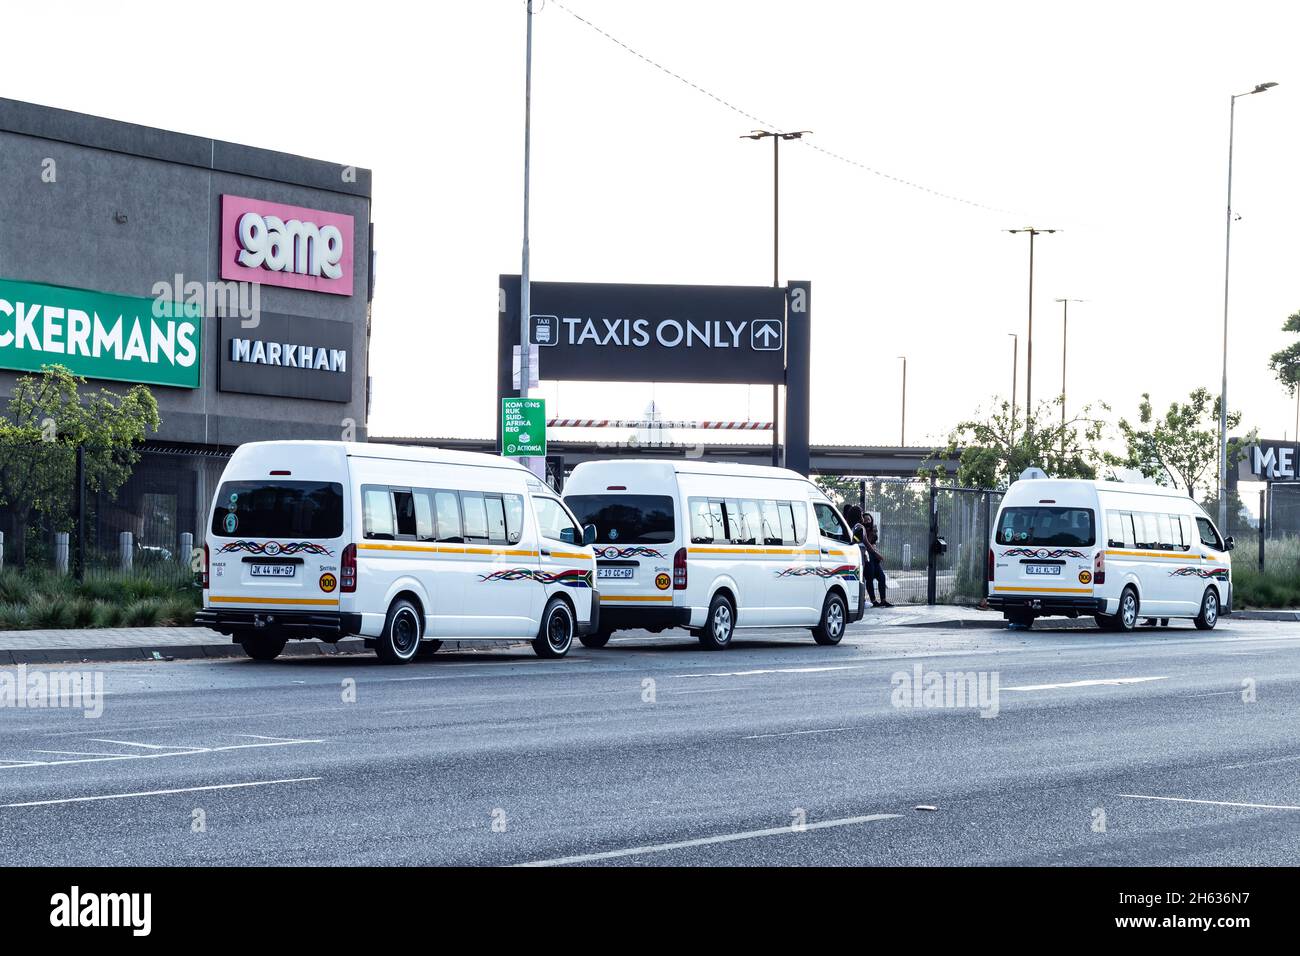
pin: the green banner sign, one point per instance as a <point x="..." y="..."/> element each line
<point x="100" y="335"/>
<point x="523" y="427"/>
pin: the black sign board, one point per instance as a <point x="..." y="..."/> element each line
<point x="589" y="331"/>
<point x="1269" y="460"/>
<point x="290" y="356"/>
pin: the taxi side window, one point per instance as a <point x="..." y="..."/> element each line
<point x="1209" y="537"/>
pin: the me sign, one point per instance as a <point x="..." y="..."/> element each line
<point x="1270" y="461"/>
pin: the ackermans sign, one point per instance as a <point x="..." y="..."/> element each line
<point x="100" y="335"/>
<point x="663" y="333"/>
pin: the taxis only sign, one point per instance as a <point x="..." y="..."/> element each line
<point x="523" y="427"/>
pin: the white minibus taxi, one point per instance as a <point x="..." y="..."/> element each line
<point x="1117" y="551"/>
<point x="403" y="546"/>
<point x="713" y="547"/>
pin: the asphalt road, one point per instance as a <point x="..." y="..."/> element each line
<point x="1097" y="750"/>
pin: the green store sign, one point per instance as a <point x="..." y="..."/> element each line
<point x="523" y="427"/>
<point x="100" y="335"/>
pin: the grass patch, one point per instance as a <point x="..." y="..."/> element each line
<point x="1278" y="585"/>
<point x="143" y="597"/>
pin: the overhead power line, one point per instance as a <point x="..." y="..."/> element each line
<point x="728" y="104"/>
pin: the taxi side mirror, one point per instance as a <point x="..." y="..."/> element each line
<point x="1229" y="544"/>
<point x="589" y="534"/>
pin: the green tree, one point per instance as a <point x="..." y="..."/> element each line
<point x="1181" y="448"/>
<point x="1285" y="363"/>
<point x="996" y="449"/>
<point x="46" y="419"/>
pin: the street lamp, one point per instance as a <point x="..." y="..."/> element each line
<point x="1227" y="261"/>
<point x="776" y="138"/>
<point x="1029" y="344"/>
<point x="902" y="428"/>
<point x="1015" y="364"/>
<point x="1065" y="337"/>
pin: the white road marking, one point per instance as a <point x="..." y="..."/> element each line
<point x="797" y="733"/>
<point x="159" y="793"/>
<point x="1222" y="693"/>
<point x="156" y="755"/>
<point x="131" y="743"/>
<point x="1215" y="803"/>
<point x="779" y="670"/>
<point x="709" y="841"/>
<point x="1260" y="763"/>
<point x="1107" y="682"/>
<point x="82" y="753"/>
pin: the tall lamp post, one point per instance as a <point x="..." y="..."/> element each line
<point x="525" y="306"/>
<point x="776" y="138"/>
<point x="902" y="428"/>
<point x="1015" y="365"/>
<point x="1029" y="342"/>
<point x="1227" y="262"/>
<point x="1065" y="341"/>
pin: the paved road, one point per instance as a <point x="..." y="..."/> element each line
<point x="654" y="751"/>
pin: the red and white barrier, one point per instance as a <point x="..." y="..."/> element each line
<point x="630" y="423"/>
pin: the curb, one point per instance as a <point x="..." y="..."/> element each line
<point x="164" y="652"/>
<point x="1264" y="615"/>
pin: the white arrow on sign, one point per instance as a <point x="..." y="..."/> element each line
<point x="766" y="336"/>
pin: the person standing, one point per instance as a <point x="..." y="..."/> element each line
<point x="875" y="561"/>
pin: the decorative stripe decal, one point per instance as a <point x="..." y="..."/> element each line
<point x="631" y="551"/>
<point x="1045" y="590"/>
<point x="1220" y="573"/>
<point x="1171" y="555"/>
<point x="231" y="599"/>
<point x="747" y="550"/>
<point x="274" y="548"/>
<point x="1045" y="553"/>
<point x="572" y="578"/>
<point x="453" y="549"/>
<point x="847" y="571"/>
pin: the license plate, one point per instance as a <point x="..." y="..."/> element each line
<point x="1042" y="569"/>
<point x="273" y="570"/>
<point x="605" y="574"/>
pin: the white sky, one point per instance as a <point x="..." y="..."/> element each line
<point x="1108" y="120"/>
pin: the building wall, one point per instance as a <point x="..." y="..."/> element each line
<point x="168" y="186"/>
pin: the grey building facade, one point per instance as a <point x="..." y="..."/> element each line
<point x="98" y="217"/>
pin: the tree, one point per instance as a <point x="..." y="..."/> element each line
<point x="47" y="418"/>
<point x="1179" y="448"/>
<point x="1285" y="363"/>
<point x="995" y="450"/>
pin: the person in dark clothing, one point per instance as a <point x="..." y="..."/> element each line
<point x="853" y="515"/>
<point x="875" y="558"/>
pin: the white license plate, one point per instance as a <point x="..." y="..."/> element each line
<point x="1042" y="569"/>
<point x="605" y="574"/>
<point x="273" y="570"/>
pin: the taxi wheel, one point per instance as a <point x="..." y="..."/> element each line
<point x="596" y="639"/>
<point x="830" y="630"/>
<point x="719" y="626"/>
<point x="263" y="647"/>
<point x="555" y="636"/>
<point x="403" y="628"/>
<point x="1209" y="615"/>
<point x="1127" y="618"/>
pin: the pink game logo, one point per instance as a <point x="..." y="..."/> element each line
<point x="275" y="244"/>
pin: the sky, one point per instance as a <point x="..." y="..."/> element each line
<point x="1105" y="120"/>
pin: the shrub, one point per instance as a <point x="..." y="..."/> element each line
<point x="107" y="614"/>
<point x="142" y="613"/>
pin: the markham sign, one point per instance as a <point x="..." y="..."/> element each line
<point x="99" y="334"/>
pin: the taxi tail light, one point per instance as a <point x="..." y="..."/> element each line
<point x="1099" y="568"/>
<point x="348" y="570"/>
<point x="992" y="564"/>
<point x="679" y="570"/>
<point x="203" y="577"/>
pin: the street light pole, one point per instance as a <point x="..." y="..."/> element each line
<point x="1227" y="262"/>
<point x="525" y="304"/>
<point x="902" y="428"/>
<point x="1015" y="365"/>
<point x="776" y="138"/>
<point x="1065" y="341"/>
<point x="1029" y="343"/>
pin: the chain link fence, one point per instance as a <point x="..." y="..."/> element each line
<point x="934" y="537"/>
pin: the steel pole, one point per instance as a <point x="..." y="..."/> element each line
<point x="1223" y="391"/>
<point x="776" y="282"/>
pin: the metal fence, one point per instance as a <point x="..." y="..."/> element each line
<point x="934" y="537"/>
<point x="60" y="513"/>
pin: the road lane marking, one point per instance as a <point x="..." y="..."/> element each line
<point x="1215" y="803"/>
<point x="159" y="793"/>
<point x="710" y="841"/>
<point x="1104" y="682"/>
<point x="155" y="755"/>
<point x="779" y="670"/>
<point x="82" y="753"/>
<point x="797" y="733"/>
<point x="131" y="743"/>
